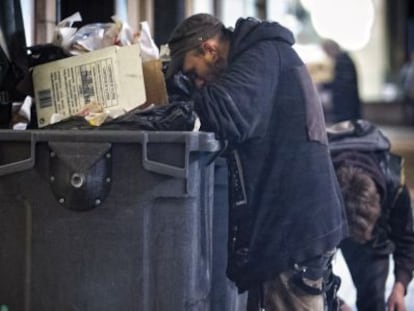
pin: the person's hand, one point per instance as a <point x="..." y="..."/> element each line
<point x="396" y="299"/>
<point x="345" y="307"/>
<point x="180" y="87"/>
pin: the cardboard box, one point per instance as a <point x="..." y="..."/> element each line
<point x="155" y="87"/>
<point x="112" y="77"/>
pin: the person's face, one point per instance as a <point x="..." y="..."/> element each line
<point x="203" y="66"/>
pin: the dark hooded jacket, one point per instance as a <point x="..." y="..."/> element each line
<point x="266" y="107"/>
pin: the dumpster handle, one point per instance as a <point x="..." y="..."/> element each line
<point x="162" y="168"/>
<point x="21" y="165"/>
<point x="219" y="153"/>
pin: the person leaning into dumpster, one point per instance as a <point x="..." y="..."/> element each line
<point x="286" y="211"/>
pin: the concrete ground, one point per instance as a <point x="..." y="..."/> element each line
<point x="402" y="140"/>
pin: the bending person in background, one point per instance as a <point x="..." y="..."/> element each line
<point x="379" y="214"/>
<point x="254" y="92"/>
<point x="343" y="88"/>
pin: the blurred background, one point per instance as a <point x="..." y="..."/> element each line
<point x="377" y="35"/>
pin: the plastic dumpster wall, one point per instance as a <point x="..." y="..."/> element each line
<point x="224" y="293"/>
<point x="106" y="220"/>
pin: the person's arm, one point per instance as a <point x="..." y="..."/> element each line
<point x="238" y="106"/>
<point x="402" y="234"/>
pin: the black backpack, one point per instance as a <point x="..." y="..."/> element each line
<point x="364" y="136"/>
<point x="357" y="135"/>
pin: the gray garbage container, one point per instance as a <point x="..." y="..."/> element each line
<point x="106" y="220"/>
<point x="224" y="294"/>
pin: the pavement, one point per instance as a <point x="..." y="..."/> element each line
<point x="402" y="140"/>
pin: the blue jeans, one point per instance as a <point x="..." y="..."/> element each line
<point x="369" y="272"/>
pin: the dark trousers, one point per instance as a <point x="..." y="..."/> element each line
<point x="369" y="271"/>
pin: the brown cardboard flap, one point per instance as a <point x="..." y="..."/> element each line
<point x="155" y="87"/>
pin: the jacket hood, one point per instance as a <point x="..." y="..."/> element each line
<point x="249" y="31"/>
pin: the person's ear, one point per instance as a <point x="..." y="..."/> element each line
<point x="210" y="50"/>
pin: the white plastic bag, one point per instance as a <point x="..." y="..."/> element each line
<point x="64" y="31"/>
<point x="149" y="50"/>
